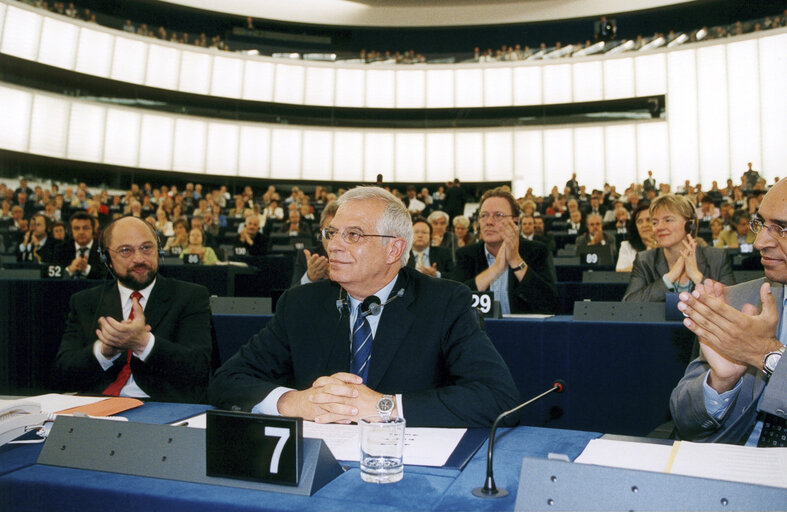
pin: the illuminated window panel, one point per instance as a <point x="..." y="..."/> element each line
<point x="58" y="43"/>
<point x="49" y="125"/>
<point x="410" y="156"/>
<point x="773" y="83"/>
<point x="350" y="88"/>
<point x="498" y="83"/>
<point x="651" y="74"/>
<point x="254" y="153"/>
<point x="527" y="85"/>
<point x="222" y="151"/>
<point x="410" y="89"/>
<point x="557" y="83"/>
<point x="744" y="104"/>
<point x="558" y="156"/>
<point x="94" y="55"/>
<point x="378" y="155"/>
<point x="258" y="81"/>
<point x="528" y="162"/>
<point x="195" y="72"/>
<point x="469" y="87"/>
<point x="653" y="151"/>
<point x="682" y="115"/>
<point x="498" y="155"/>
<point x="320" y="86"/>
<point x="226" y="77"/>
<point x="712" y="108"/>
<point x="470" y="156"/>
<point x="380" y="89"/>
<point x="15" y="121"/>
<point x="286" y="153"/>
<point x="440" y="88"/>
<point x="289" y="84"/>
<point x="189" y="151"/>
<point x="618" y="78"/>
<point x="587" y="81"/>
<point x="589" y="156"/>
<point x="2" y="19"/>
<point x="348" y="152"/>
<point x="317" y="154"/>
<point x="121" y="138"/>
<point x="620" y="156"/>
<point x="156" y="141"/>
<point x="129" y="60"/>
<point x="163" y="67"/>
<point x="440" y="156"/>
<point x="86" y="132"/>
<point x="21" y="33"/>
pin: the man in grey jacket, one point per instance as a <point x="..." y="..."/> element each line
<point x="736" y="391"/>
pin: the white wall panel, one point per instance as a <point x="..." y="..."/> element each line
<point x="254" y="152"/>
<point x="190" y="144"/>
<point x="557" y="83"/>
<point x="121" y="139"/>
<point x="558" y="156"/>
<point x="587" y="81"/>
<point x="258" y="81"/>
<point x="94" y="54"/>
<point x="380" y="89"/>
<point x="222" y="154"/>
<point x="712" y="108"/>
<point x="49" y="126"/>
<point x="744" y="105"/>
<point x="129" y="60"/>
<point x="618" y="78"/>
<point x="286" y="153"/>
<point x="621" y="160"/>
<point x="468" y="87"/>
<point x="3" y="9"/>
<point x="410" y="156"/>
<point x="652" y="151"/>
<point x="226" y="77"/>
<point x="195" y="72"/>
<point x="320" y="86"/>
<point x="650" y="74"/>
<point x="528" y="162"/>
<point x="589" y="156"/>
<point x="498" y="84"/>
<point x="527" y="85"/>
<point x="289" y="84"/>
<point x="440" y="88"/>
<point x="348" y="152"/>
<point x="156" y="141"/>
<point x="773" y="84"/>
<point x="440" y="156"/>
<point x="163" y="67"/>
<point x="317" y="154"/>
<point x="410" y="89"/>
<point x="21" y="33"/>
<point x="350" y="88"/>
<point x="378" y="155"/>
<point x="86" y="132"/>
<point x="682" y="117"/>
<point x="58" y="43"/>
<point x="15" y="121"/>
<point x="498" y="155"/>
<point x="470" y="156"/>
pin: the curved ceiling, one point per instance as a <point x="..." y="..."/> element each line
<point x="421" y="13"/>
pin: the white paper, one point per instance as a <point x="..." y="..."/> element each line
<point x="626" y="454"/>
<point x="52" y="403"/>
<point x="748" y="464"/>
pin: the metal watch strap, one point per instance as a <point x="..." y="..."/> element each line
<point x="768" y="369"/>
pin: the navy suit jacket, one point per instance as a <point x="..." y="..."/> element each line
<point x="428" y="347"/>
<point x="178" y="367"/>
<point x="65" y="252"/>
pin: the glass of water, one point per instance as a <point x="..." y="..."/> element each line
<point x="382" y="446"/>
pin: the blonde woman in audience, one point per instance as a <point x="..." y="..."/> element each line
<point x="163" y="224"/>
<point x="462" y="231"/>
<point x="716" y="227"/>
<point x="179" y="240"/>
<point x="206" y="254"/>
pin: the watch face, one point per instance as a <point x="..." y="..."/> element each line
<point x="385" y="405"/>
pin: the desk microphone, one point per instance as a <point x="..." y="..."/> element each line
<point x="371" y="305"/>
<point x="489" y="490"/>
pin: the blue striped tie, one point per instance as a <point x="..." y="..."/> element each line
<point x="362" y="346"/>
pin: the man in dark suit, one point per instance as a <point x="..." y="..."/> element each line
<point x="425" y="346"/>
<point x="79" y="254"/>
<point x="528" y="225"/>
<point x="595" y="236"/>
<point x="162" y="351"/>
<point x="649" y="183"/>
<point x="518" y="271"/>
<point x="37" y="246"/>
<point x="433" y="261"/>
<point x="311" y="266"/>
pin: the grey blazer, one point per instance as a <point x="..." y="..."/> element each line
<point x="647" y="285"/>
<point x="687" y="403"/>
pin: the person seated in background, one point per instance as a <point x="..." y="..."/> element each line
<point x="205" y="255"/>
<point x="163" y="224"/>
<point x="311" y="266"/>
<point x="441" y="237"/>
<point x="241" y="209"/>
<point x="708" y="209"/>
<point x="79" y="255"/>
<point x="37" y="246"/>
<point x="640" y="231"/>
<point x="433" y="261"/>
<point x="681" y="262"/>
<point x="295" y="226"/>
<point x="595" y="236"/>
<point x="621" y="220"/>
<point x="716" y="227"/>
<point x="518" y="271"/>
<point x="58" y="232"/>
<point x="251" y="242"/>
<point x="529" y="232"/>
<point x="575" y="225"/>
<point x="273" y="211"/>
<point x="462" y="231"/>
<point x="179" y="240"/>
<point x="739" y="234"/>
<point x="162" y="350"/>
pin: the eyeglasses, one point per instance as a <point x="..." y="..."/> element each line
<point x="127" y="251"/>
<point x="494" y="217"/>
<point x="756" y="226"/>
<point x="350" y="236"/>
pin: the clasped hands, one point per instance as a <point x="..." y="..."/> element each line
<point x="338" y="398"/>
<point x="686" y="264"/>
<point x="117" y="336"/>
<point x="731" y="340"/>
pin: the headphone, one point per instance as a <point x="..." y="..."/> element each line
<point x="370" y="306"/>
<point x="691" y="223"/>
<point x="102" y="252"/>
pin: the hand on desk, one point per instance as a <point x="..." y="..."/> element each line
<point x="339" y="398"/>
<point x="117" y="336"/>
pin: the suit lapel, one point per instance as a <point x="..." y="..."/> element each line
<point x="336" y="345"/>
<point x="158" y="302"/>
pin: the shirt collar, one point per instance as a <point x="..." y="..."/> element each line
<point x="88" y="246"/>
<point x="125" y="293"/>
<point x="381" y="294"/>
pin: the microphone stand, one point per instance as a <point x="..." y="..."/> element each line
<point x="490" y="490"/>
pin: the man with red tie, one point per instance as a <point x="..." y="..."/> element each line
<point x="142" y="335"/>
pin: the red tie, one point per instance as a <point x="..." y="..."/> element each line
<point x="125" y="372"/>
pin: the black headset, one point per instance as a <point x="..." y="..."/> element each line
<point x="102" y="252"/>
<point x="691" y="223"/>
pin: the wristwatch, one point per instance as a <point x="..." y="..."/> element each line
<point x="521" y="266"/>
<point x="385" y="406"/>
<point x="769" y="362"/>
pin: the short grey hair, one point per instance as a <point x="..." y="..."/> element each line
<point x="437" y="214"/>
<point x="395" y="220"/>
<point x="461" y="220"/>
